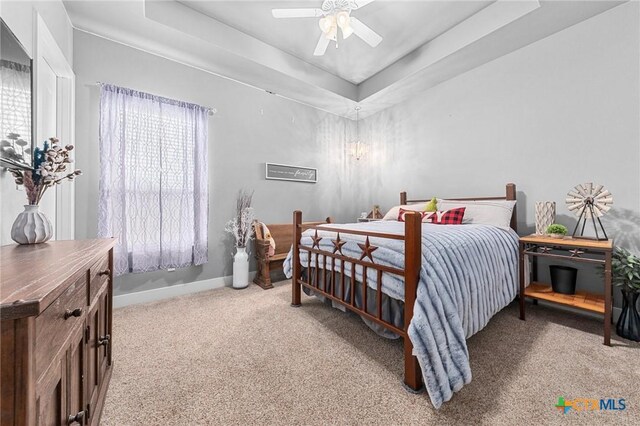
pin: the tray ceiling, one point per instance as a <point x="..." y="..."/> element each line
<point x="425" y="42"/>
<point x="404" y="26"/>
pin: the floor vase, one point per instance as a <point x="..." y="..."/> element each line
<point x="241" y="268"/>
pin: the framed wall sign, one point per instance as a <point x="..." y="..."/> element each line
<point x="292" y="173"/>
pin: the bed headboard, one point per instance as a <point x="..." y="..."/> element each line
<point x="510" y="194"/>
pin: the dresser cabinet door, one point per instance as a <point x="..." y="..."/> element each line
<point x="77" y="358"/>
<point x="93" y="362"/>
<point x="60" y="396"/>
<point x="51" y="394"/>
<point x="104" y="337"/>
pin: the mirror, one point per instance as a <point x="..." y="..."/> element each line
<point x="16" y="147"/>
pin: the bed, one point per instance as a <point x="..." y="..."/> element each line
<point x="432" y="285"/>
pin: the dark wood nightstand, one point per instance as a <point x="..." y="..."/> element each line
<point x="575" y="250"/>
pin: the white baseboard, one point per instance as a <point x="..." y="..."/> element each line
<point x="174" y="291"/>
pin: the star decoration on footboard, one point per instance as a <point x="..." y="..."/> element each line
<point x="367" y="249"/>
<point x="337" y="245"/>
<point x="316" y="240"/>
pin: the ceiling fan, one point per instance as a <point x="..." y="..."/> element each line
<point x="334" y="14"/>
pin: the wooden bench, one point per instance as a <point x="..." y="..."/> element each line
<point x="283" y="236"/>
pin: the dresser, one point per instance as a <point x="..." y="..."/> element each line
<point x="56" y="322"/>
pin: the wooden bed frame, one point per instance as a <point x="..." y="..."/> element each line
<point x="411" y="273"/>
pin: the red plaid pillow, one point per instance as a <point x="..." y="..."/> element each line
<point x="450" y="217"/>
<point x="402" y="212"/>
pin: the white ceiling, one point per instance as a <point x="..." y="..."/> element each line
<point x="425" y="42"/>
<point x="404" y="26"/>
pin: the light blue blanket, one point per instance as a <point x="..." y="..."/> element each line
<point x="468" y="274"/>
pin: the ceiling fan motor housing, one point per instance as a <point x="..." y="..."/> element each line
<point x="329" y="7"/>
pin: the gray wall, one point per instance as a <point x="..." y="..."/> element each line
<point x="562" y="111"/>
<point x="250" y="128"/>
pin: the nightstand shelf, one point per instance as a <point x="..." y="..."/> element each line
<point x="581" y="300"/>
<point x="574" y="250"/>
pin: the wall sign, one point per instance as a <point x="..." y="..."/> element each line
<point x="293" y="173"/>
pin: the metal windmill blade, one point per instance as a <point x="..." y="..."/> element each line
<point x="589" y="202"/>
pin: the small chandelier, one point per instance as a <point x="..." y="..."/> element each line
<point x="358" y="148"/>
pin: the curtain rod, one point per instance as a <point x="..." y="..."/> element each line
<point x="212" y="110"/>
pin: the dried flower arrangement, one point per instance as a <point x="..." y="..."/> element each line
<point x="240" y="225"/>
<point x="49" y="169"/>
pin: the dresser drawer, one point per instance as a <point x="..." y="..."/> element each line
<point x="98" y="276"/>
<point x="54" y="325"/>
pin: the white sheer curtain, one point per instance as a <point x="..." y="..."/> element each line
<point x="153" y="180"/>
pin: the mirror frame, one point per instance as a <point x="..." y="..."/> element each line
<point x="5" y="162"/>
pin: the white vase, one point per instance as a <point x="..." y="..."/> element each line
<point x="545" y="216"/>
<point x="31" y="226"/>
<point x="241" y="268"/>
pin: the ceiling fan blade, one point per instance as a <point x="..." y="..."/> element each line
<point x="322" y="45"/>
<point x="359" y="4"/>
<point x="297" y="13"/>
<point x="365" y="33"/>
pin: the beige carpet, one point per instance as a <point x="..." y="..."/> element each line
<point x="247" y="357"/>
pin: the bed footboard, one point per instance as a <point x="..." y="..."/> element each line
<point x="327" y="282"/>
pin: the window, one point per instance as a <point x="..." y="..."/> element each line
<point x="153" y="185"/>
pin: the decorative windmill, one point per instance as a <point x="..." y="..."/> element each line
<point x="589" y="201"/>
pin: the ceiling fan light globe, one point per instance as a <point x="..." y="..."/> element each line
<point x="324" y="24"/>
<point x="332" y="34"/>
<point x="346" y="31"/>
<point x="342" y="19"/>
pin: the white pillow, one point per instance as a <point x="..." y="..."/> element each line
<point x="490" y="212"/>
<point x="395" y="211"/>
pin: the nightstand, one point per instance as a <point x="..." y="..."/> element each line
<point x="575" y="250"/>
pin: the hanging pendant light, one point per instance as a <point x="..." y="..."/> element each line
<point x="358" y="148"/>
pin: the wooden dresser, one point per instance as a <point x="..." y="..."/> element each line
<point x="56" y="304"/>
